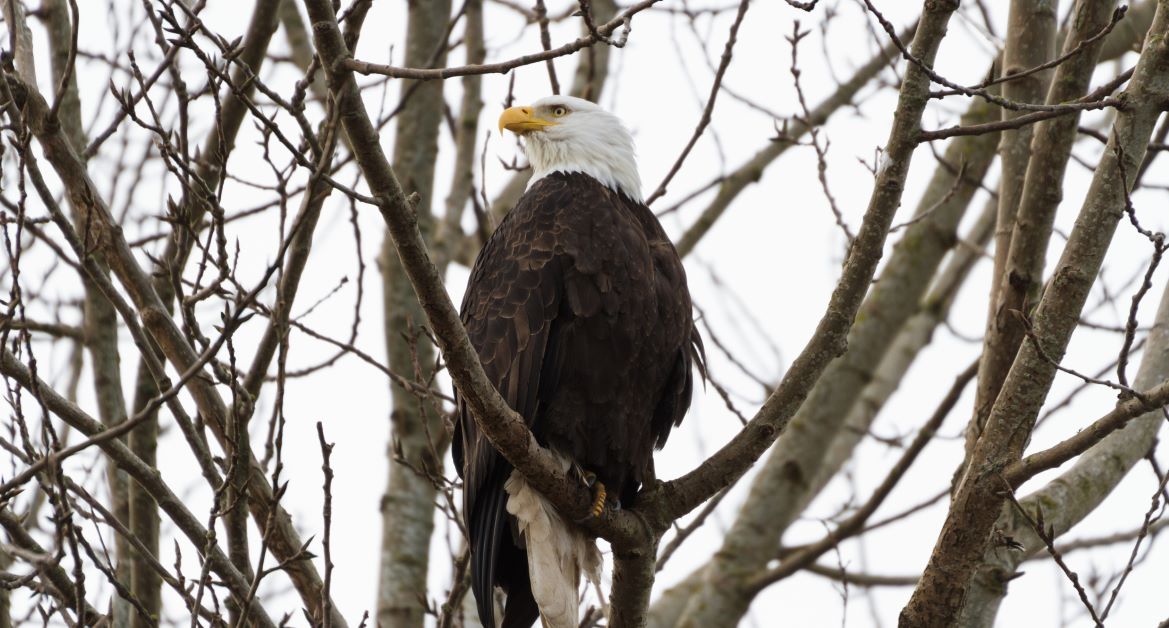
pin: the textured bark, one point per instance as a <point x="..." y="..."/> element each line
<point x="1074" y="494"/>
<point x="1031" y="34"/>
<point x="633" y="579"/>
<point x="448" y="233"/>
<point x="966" y="534"/>
<point x="1042" y="189"/>
<point x="1042" y="192"/>
<point x="418" y="433"/>
<point x="726" y="593"/>
<point x="1066" y="500"/>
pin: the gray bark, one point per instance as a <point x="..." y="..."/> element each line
<point x="966" y="534"/>
<point x="100" y="324"/>
<point x="418" y="433"/>
<point x="1067" y="499"/>
<point x="1031" y="34"/>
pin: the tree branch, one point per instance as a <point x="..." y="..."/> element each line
<point x="419" y="436"/>
<point x="978" y="500"/>
<point x="143" y="473"/>
<point x="732" y="460"/>
<point x="106" y="235"/>
<point x="347" y="64"/>
<point x="791" y="475"/>
<point x="708" y="110"/>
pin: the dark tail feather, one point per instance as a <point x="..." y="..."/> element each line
<point x="521" y="610"/>
<point x="495" y="559"/>
<point x="487" y="528"/>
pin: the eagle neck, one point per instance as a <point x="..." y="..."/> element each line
<point x="611" y="163"/>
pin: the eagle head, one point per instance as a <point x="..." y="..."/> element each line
<point x="567" y="134"/>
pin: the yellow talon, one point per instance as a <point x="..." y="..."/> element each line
<point x="599" y="502"/>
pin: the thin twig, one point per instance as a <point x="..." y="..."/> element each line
<point x="326" y="611"/>
<point x="684" y="533"/>
<point x="1117" y="15"/>
<point x="1097" y="97"/>
<point x="1079" y="105"/>
<point x="1047" y="535"/>
<point x="704" y="120"/>
<point x="854" y="524"/>
<point x="814" y="131"/>
<point x="427" y="74"/>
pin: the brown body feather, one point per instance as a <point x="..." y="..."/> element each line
<point x="579" y="310"/>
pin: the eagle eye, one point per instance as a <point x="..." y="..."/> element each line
<point x="560" y="111"/>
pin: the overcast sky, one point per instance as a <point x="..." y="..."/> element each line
<point x="777" y="254"/>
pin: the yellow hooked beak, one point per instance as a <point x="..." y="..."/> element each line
<point x="520" y="120"/>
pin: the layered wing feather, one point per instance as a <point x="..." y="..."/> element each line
<point x="578" y="309"/>
<point x="512" y="299"/>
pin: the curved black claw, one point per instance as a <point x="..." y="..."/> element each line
<point x="588" y="478"/>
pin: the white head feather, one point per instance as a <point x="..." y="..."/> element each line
<point x="582" y="138"/>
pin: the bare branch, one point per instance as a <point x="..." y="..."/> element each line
<point x="362" y="67"/>
<point x="938" y="597"/>
<point x="708" y="110"/>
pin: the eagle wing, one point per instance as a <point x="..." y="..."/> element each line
<point x="513" y="300"/>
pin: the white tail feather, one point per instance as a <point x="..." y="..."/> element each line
<point x="558" y="552"/>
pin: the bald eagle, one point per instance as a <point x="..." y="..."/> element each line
<point x="579" y="311"/>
